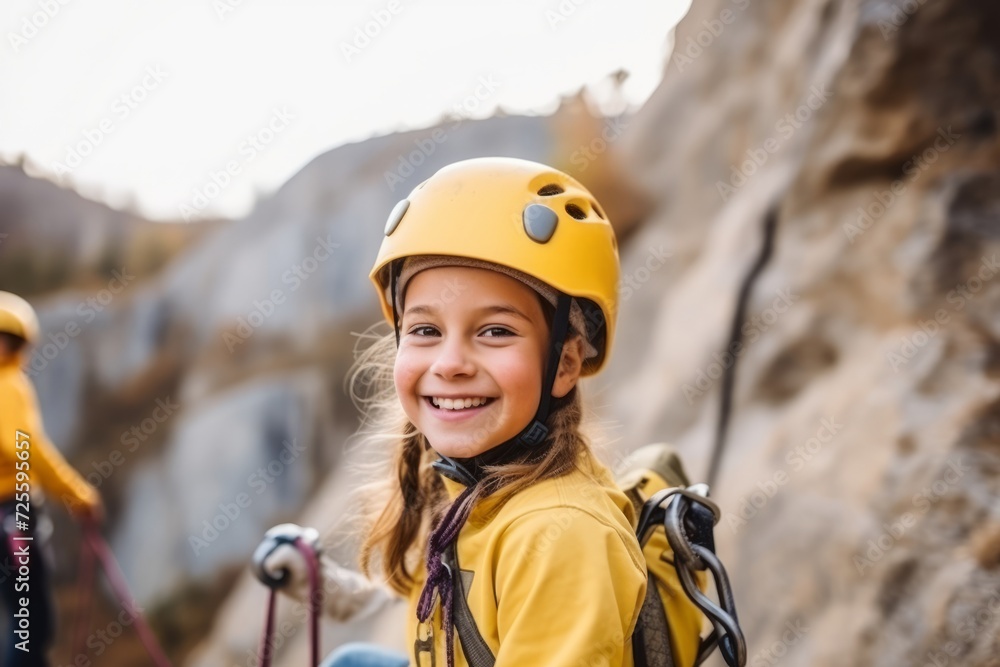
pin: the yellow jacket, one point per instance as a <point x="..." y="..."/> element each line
<point x="46" y="466"/>
<point x="555" y="578"/>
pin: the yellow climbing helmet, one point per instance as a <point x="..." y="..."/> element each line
<point x="18" y="317"/>
<point x="519" y="214"/>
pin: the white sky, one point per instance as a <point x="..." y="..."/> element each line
<point x="227" y="67"/>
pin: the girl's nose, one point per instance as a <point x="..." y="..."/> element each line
<point x="453" y="359"/>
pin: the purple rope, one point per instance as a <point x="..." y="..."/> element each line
<point x="438" y="577"/>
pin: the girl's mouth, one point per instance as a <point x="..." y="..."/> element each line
<point x="454" y="412"/>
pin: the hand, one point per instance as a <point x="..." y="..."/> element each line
<point x="277" y="562"/>
<point x="347" y="594"/>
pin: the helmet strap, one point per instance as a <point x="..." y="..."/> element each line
<point x="393" y="277"/>
<point x="535" y="433"/>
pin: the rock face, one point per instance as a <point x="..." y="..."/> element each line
<point x="861" y="477"/>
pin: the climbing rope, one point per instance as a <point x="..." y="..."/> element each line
<point x="735" y="338"/>
<point x="315" y="604"/>
<point x="99" y="548"/>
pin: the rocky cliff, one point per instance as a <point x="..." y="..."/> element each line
<point x="836" y="165"/>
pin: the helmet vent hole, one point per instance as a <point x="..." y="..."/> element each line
<point x="597" y="210"/>
<point x="551" y="189"/>
<point x="576" y="212"/>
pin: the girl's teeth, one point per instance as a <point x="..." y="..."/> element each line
<point x="457" y="403"/>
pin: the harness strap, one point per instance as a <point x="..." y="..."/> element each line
<point x="477" y="652"/>
<point x="651" y="642"/>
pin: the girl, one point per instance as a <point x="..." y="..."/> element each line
<point x="499" y="278"/>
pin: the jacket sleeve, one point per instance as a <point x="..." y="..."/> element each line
<point x="568" y="592"/>
<point x="48" y="469"/>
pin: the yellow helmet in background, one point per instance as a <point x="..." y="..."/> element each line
<point x="17" y="317"/>
<point x="519" y="214"/>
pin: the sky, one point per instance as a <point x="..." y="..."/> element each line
<point x="146" y="104"/>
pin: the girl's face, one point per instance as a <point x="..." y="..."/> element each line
<point x="468" y="370"/>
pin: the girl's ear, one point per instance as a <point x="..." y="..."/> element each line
<point x="569" y="367"/>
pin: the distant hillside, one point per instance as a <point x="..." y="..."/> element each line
<point x="51" y="237"/>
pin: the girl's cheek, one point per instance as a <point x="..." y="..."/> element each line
<point x="405" y="374"/>
<point x="521" y="364"/>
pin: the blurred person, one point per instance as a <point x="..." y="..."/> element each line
<point x="28" y="462"/>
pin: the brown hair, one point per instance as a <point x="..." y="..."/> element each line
<point x="410" y="492"/>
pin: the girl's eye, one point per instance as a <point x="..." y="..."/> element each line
<point x="497" y="332"/>
<point x="416" y="331"/>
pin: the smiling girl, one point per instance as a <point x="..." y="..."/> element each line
<point x="499" y="278"/>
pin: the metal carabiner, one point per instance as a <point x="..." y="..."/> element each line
<point x="424" y="644"/>
<point x="693" y="555"/>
